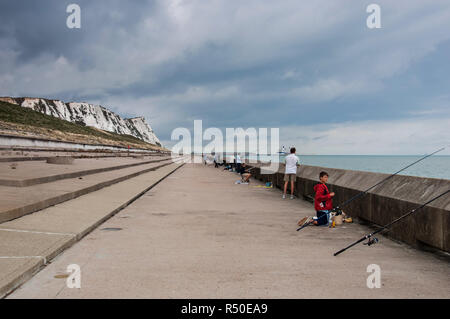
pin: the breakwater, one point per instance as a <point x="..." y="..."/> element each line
<point x="428" y="228"/>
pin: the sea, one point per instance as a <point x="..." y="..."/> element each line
<point x="436" y="166"/>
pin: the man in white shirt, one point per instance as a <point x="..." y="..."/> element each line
<point x="290" y="173"/>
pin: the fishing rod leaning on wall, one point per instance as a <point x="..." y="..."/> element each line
<point x="373" y="240"/>
<point x="338" y="209"/>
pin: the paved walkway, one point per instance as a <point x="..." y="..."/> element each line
<point x="198" y="235"/>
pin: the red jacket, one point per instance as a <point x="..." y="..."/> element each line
<point x="323" y="200"/>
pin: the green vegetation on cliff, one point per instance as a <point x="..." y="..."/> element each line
<point x="11" y="113"/>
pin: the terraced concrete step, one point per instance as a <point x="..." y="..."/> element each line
<point x="33" y="173"/>
<point x="20" y="155"/>
<point x="27" y="244"/>
<point x="44" y="158"/>
<point x="19" y="201"/>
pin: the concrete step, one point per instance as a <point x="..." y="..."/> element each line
<point x="19" y="201"/>
<point x="21" y="155"/>
<point x="39" y="172"/>
<point x="28" y="243"/>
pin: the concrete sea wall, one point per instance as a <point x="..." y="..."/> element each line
<point x="34" y="142"/>
<point x="429" y="227"/>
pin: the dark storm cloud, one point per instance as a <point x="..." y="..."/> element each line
<point x="231" y="63"/>
<point x="39" y="27"/>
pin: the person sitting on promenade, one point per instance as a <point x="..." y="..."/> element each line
<point x="290" y="173"/>
<point x="323" y="203"/>
<point x="245" y="174"/>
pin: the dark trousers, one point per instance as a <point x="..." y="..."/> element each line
<point x="322" y="217"/>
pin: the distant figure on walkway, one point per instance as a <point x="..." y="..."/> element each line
<point x="238" y="163"/>
<point x="290" y="173"/>
<point x="216" y="160"/>
<point x="205" y="157"/>
<point x="245" y="174"/>
<point x="232" y="162"/>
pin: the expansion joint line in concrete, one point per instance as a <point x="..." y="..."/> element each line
<point x="148" y="188"/>
<point x="36" y="232"/>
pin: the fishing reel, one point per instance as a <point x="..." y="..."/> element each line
<point x="337" y="211"/>
<point x="372" y="241"/>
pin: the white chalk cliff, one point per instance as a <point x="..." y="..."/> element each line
<point x="90" y="115"/>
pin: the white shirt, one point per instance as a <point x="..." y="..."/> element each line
<point x="238" y="159"/>
<point x="291" y="164"/>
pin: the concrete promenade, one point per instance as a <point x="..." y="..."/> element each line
<point x="198" y="235"/>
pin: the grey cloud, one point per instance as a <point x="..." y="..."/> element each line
<point x="230" y="63"/>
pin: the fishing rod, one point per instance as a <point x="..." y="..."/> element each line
<point x="374" y="240"/>
<point x="338" y="209"/>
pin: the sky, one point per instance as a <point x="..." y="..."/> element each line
<point x="313" y="69"/>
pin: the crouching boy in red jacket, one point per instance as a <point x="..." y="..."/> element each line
<point x="323" y="201"/>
